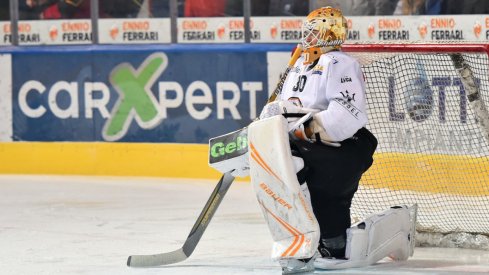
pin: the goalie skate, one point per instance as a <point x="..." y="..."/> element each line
<point x="293" y="266"/>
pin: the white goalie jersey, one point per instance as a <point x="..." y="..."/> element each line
<point x="334" y="84"/>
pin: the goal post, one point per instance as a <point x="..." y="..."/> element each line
<point x="427" y="106"/>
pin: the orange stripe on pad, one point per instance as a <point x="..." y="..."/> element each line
<point x="298" y="236"/>
<point x="256" y="156"/>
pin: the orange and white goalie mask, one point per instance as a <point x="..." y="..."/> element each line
<point x="323" y="30"/>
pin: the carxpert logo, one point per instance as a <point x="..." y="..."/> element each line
<point x="136" y="100"/>
<point x="134" y="97"/>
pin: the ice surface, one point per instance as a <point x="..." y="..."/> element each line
<point x="89" y="225"/>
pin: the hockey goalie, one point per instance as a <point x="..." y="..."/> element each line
<point x="307" y="153"/>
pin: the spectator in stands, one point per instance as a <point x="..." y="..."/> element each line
<point x="119" y="8"/>
<point x="204" y="8"/>
<point x="161" y="8"/>
<point x="465" y="7"/>
<point x="413" y="7"/>
<point x="288" y="8"/>
<point x="360" y="7"/>
<point x="372" y="7"/>
<point x="32" y="9"/>
<point x="433" y="7"/>
<point x="68" y="9"/>
<point x="269" y="7"/>
<point x="258" y="7"/>
<point x="337" y="4"/>
<point x="54" y="9"/>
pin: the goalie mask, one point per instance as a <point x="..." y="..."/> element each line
<point x="323" y="30"/>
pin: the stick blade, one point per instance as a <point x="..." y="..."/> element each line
<point x="156" y="259"/>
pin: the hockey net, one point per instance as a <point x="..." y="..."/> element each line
<point x="432" y="126"/>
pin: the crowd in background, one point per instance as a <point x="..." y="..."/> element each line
<point x="74" y="9"/>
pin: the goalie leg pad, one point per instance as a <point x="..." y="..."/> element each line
<point x="288" y="213"/>
<point x="386" y="234"/>
<point x="381" y="235"/>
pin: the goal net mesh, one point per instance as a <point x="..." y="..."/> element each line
<point x="433" y="149"/>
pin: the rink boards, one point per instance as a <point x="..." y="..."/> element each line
<point x="127" y="110"/>
<point x="138" y="110"/>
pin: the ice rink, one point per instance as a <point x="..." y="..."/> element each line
<point x="89" y="225"/>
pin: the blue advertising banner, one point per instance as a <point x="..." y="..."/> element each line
<point x="183" y="94"/>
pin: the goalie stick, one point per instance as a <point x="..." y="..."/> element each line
<point x="290" y="65"/>
<point x="211" y="206"/>
<point x="195" y="234"/>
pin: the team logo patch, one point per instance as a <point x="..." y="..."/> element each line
<point x="333" y="59"/>
<point x="318" y="69"/>
<point x="352" y="109"/>
<point x="346" y="95"/>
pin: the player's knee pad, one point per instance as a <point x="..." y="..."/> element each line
<point x="386" y="234"/>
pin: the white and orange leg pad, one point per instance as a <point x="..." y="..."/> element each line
<point x="287" y="211"/>
<point x="387" y="234"/>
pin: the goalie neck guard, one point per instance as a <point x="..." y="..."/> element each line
<point x="323" y="30"/>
